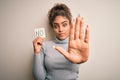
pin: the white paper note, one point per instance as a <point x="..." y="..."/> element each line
<point x="40" y="32"/>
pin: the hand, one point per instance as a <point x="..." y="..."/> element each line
<point x="37" y="44"/>
<point x="78" y="46"/>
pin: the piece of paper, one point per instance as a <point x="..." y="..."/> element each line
<point x="40" y="32"/>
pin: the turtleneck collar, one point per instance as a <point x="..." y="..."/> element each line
<point x="65" y="41"/>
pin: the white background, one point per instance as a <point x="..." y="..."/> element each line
<point x="19" y="18"/>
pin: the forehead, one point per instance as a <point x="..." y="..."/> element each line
<point x="60" y="19"/>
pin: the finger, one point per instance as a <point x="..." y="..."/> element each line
<point x="81" y="29"/>
<point x="87" y="33"/>
<point x="72" y="30"/>
<point x="39" y="41"/>
<point x="62" y="51"/>
<point x="36" y="39"/>
<point x="77" y="27"/>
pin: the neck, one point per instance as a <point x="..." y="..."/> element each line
<point x="65" y="41"/>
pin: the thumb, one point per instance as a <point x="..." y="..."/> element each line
<point x="62" y="51"/>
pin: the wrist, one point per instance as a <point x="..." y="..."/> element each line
<point x="36" y="52"/>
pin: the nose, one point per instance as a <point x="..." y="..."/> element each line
<point x="60" y="29"/>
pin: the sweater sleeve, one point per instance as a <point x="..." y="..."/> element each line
<point x="39" y="71"/>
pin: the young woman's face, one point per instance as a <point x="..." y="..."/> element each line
<point x="61" y="27"/>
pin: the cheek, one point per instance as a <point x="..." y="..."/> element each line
<point x="55" y="31"/>
<point x="67" y="30"/>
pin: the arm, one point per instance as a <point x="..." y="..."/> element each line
<point x="38" y="66"/>
<point x="39" y="71"/>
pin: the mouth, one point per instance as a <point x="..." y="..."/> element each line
<point x="61" y="34"/>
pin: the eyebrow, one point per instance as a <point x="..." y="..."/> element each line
<point x="61" y="22"/>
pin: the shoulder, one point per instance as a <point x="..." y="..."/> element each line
<point x="48" y="44"/>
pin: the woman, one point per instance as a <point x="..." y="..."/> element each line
<point x="60" y="59"/>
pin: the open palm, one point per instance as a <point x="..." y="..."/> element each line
<point x="78" y="46"/>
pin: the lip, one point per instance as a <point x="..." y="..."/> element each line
<point x="61" y="34"/>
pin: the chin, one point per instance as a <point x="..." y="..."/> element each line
<point x="62" y="38"/>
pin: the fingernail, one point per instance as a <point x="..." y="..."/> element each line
<point x="86" y="25"/>
<point x="54" y="47"/>
<point x="82" y="18"/>
<point x="78" y="15"/>
<point x="73" y="20"/>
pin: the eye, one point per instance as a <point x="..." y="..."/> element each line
<point x="55" y="26"/>
<point x="64" y="24"/>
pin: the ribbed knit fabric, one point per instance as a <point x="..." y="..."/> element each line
<point x="52" y="65"/>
